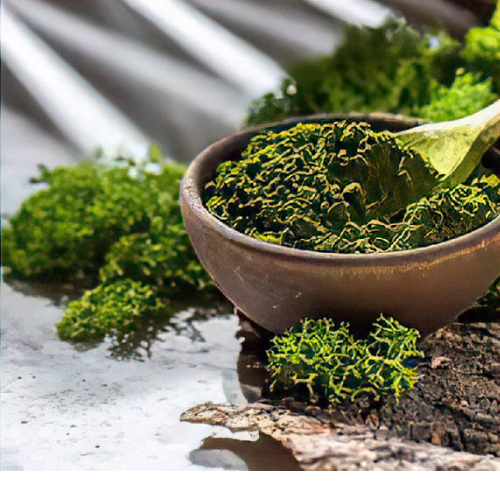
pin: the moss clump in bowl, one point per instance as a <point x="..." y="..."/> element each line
<point x="342" y="188"/>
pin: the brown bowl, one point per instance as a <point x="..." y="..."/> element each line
<point x="276" y="286"/>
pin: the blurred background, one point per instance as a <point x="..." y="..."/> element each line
<point x="78" y="75"/>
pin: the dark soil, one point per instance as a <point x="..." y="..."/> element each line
<point x="456" y="402"/>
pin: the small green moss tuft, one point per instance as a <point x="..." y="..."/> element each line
<point x="109" y="309"/>
<point x="321" y="362"/>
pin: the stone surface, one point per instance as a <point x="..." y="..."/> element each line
<point x="108" y="406"/>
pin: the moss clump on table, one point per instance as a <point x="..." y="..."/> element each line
<point x="114" y="221"/>
<point x="343" y="188"/>
<point x="393" y="68"/>
<point x="481" y="51"/>
<point x="467" y="94"/>
<point x="109" y="309"/>
<point x="321" y="362"/>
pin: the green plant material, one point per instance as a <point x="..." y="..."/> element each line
<point x="275" y="106"/>
<point x="321" y="362"/>
<point x="68" y="228"/>
<point x="452" y="212"/>
<point x="482" y="50"/>
<point x="393" y="68"/>
<point x="375" y="69"/>
<point x="119" y="221"/>
<point x="121" y="215"/>
<point x="312" y="179"/>
<point x="343" y="188"/>
<point x="443" y="216"/>
<point x="492" y="298"/>
<point x="162" y="257"/>
<point x="109" y="309"/>
<point x="466" y="95"/>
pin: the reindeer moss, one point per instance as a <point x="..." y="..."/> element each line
<point x="321" y="362"/>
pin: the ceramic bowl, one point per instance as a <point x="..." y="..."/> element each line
<point x="276" y="286"/>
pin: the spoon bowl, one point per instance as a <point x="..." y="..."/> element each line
<point x="276" y="286"/>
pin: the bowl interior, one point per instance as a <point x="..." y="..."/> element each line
<point x="378" y="121"/>
<point x="203" y="170"/>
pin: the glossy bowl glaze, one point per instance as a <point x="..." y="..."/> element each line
<point x="276" y="286"/>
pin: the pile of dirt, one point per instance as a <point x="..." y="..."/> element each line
<point x="456" y="403"/>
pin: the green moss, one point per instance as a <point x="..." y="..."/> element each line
<point x="374" y="69"/>
<point x="482" y="50"/>
<point x="443" y="216"/>
<point x="466" y="95"/>
<point x="118" y="221"/>
<point x="68" y="228"/>
<point x="393" y="68"/>
<point x="321" y="362"/>
<point x="343" y="188"/>
<point x="161" y="257"/>
<point x="109" y="309"/>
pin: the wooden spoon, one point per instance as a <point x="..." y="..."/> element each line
<point x="455" y="148"/>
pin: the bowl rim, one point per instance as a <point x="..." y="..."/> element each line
<point x="191" y="193"/>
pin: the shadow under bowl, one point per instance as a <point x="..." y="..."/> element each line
<point x="276" y="286"/>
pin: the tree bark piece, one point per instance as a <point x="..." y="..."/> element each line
<point x="321" y="445"/>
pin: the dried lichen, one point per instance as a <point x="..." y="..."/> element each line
<point x="443" y="216"/>
<point x="320" y="361"/>
<point x="343" y="188"/>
